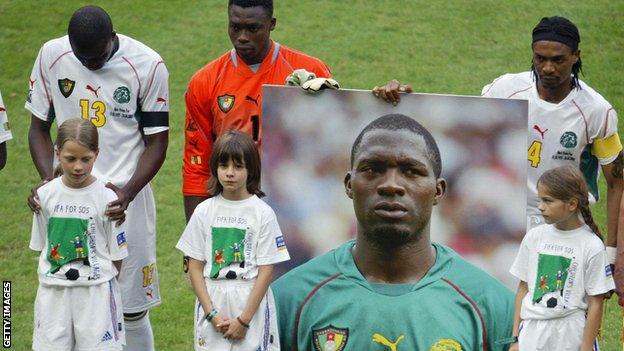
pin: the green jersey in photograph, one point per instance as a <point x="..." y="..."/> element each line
<point x="326" y="304"/>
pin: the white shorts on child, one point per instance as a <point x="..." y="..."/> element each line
<point x="79" y="318"/>
<point x="553" y="334"/>
<point x="229" y="298"/>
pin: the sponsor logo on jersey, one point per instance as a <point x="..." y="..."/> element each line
<point x="608" y="270"/>
<point x="122" y="95"/>
<point x="539" y="130"/>
<point x="392" y="346"/>
<point x="446" y="345"/>
<point x="66" y="86"/>
<point x="279" y="242"/>
<point x="107" y="336"/>
<point x="225" y="102"/>
<point x="121" y="240"/>
<point x="330" y="338"/>
<point x="93" y="90"/>
<point x="568" y="140"/>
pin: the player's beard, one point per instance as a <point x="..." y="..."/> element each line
<point x="391" y="237"/>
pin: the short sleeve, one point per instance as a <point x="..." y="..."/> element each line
<point x="39" y="101"/>
<point x="271" y="247"/>
<point x="197" y="144"/>
<point x="192" y="242"/>
<point x="519" y="268"/>
<point x="118" y="246"/>
<point x="598" y="275"/>
<point x="155" y="101"/>
<point x="39" y="232"/>
<point x="5" y="131"/>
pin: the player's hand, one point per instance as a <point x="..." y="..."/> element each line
<point x="33" y="198"/>
<point x="116" y="210"/>
<point x="235" y="330"/>
<point x="391" y="91"/>
<point x="618" y="276"/>
<point x="514" y="347"/>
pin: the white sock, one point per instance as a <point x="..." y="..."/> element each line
<point x="139" y="336"/>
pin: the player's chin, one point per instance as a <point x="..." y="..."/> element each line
<point x="391" y="236"/>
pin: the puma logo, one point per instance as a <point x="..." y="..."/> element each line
<point x="163" y="100"/>
<point x="94" y="91"/>
<point x="537" y="128"/>
<point x="249" y="98"/>
<point x="2" y="109"/>
<point x="380" y="339"/>
<point x="31" y="82"/>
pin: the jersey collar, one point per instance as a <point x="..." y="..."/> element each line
<point x="268" y="61"/>
<point x="344" y="260"/>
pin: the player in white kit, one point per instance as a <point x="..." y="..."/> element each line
<point x="569" y="122"/>
<point x="120" y="85"/>
<point x="5" y="133"/>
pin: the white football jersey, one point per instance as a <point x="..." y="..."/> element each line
<point x="580" y="130"/>
<point x="5" y="131"/>
<point x="134" y="80"/>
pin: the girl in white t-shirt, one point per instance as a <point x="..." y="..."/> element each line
<point x="232" y="241"/>
<point x="78" y="303"/>
<point x="563" y="270"/>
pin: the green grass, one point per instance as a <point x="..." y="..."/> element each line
<point x="437" y="46"/>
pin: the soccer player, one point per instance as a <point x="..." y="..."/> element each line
<point x="5" y="133"/>
<point x="569" y="122"/>
<point x="120" y="85"/>
<point x="226" y="93"/>
<point x="391" y="286"/>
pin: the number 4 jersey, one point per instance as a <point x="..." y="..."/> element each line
<point x="580" y="130"/>
<point x="133" y="81"/>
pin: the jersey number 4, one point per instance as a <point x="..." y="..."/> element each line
<point x="99" y="112"/>
<point x="535" y="153"/>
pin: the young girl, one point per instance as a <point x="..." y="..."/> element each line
<point x="563" y="270"/>
<point x="233" y="240"/>
<point x="78" y="304"/>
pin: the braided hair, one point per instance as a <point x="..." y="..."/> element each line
<point x="566" y="183"/>
<point x="561" y="30"/>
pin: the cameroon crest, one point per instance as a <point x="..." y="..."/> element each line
<point x="66" y="86"/>
<point x="330" y="338"/>
<point x="225" y="102"/>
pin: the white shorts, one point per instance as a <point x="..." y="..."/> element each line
<point x="78" y="318"/>
<point x="229" y="298"/>
<point x="139" y="277"/>
<point x="553" y="334"/>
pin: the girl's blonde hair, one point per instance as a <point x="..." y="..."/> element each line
<point x="80" y="131"/>
<point x="566" y="183"/>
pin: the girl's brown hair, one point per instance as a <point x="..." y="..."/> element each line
<point x="77" y="130"/>
<point x="566" y="183"/>
<point x="239" y="147"/>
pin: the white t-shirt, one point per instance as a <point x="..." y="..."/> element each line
<point x="561" y="268"/>
<point x="559" y="133"/>
<point x="113" y="97"/>
<point x="77" y="241"/>
<point x="233" y="237"/>
<point x="5" y="131"/>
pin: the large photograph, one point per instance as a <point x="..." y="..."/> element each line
<point x="305" y="153"/>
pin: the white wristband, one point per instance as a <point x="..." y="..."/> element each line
<point x="611" y="254"/>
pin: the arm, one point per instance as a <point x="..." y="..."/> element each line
<point x="235" y="329"/>
<point x="592" y="323"/>
<point x="3" y="155"/>
<point x="615" y="185"/>
<point x="150" y="162"/>
<point x="41" y="149"/>
<point x="523" y="289"/>
<point x="196" y="274"/>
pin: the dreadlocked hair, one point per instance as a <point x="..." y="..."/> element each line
<point x="566" y="183"/>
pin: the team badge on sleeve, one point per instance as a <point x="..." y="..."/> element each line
<point x="608" y="270"/>
<point x="66" y="86"/>
<point x="279" y="242"/>
<point x="225" y="102"/>
<point x="330" y="338"/>
<point x="121" y="240"/>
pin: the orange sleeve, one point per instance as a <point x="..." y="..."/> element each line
<point x="197" y="145"/>
<point x="321" y="69"/>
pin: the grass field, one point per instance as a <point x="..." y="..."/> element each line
<point x="438" y="46"/>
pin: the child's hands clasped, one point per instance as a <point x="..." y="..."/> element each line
<point x="234" y="329"/>
<point x="218" y="323"/>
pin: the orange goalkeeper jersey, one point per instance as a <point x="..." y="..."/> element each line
<point x="226" y="94"/>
